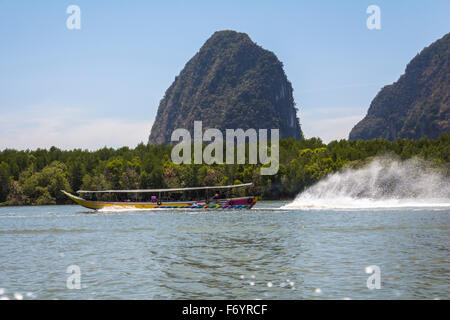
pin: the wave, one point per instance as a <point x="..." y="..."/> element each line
<point x="53" y="230"/>
<point x="382" y="183"/>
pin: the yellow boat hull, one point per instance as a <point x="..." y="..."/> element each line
<point x="235" y="203"/>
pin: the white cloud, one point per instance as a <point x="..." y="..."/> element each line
<point x="331" y="128"/>
<point x="42" y="126"/>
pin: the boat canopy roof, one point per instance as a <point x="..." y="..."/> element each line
<point x="168" y="190"/>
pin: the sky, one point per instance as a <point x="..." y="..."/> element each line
<point x="101" y="85"/>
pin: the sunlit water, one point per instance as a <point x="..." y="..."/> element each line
<point x="263" y="253"/>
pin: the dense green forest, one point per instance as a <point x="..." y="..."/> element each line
<point x="36" y="177"/>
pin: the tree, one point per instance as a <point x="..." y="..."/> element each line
<point x="44" y="187"/>
<point x="75" y="174"/>
<point x="4" y="181"/>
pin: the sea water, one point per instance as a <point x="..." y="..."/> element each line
<point x="263" y="253"/>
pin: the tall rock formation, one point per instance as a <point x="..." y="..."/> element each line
<point x="417" y="105"/>
<point x="230" y="83"/>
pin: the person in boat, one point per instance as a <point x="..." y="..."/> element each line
<point x="216" y="196"/>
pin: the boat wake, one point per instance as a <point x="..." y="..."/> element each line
<point x="383" y="183"/>
<point x="113" y="209"/>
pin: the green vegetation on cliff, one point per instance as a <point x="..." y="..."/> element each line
<point x="35" y="177"/>
<point x="230" y="83"/>
<point x="418" y="104"/>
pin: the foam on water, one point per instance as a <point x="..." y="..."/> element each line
<point x="113" y="209"/>
<point x="383" y="183"/>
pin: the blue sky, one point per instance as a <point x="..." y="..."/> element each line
<point x="101" y="85"/>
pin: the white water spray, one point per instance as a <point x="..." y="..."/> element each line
<point x="383" y="183"/>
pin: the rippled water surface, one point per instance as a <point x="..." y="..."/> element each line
<point x="263" y="253"/>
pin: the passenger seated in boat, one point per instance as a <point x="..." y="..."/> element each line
<point x="217" y="196"/>
<point x="154" y="199"/>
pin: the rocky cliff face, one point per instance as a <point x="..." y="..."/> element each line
<point x="230" y="83"/>
<point x="417" y="105"/>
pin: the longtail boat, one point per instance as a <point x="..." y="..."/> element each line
<point x="161" y="199"/>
